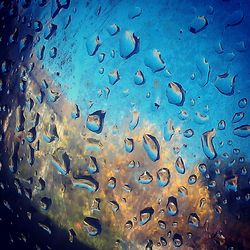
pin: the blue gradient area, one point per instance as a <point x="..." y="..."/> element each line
<point x="162" y="25"/>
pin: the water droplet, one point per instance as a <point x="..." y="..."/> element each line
<point x="182" y="191"/>
<point x="231" y="183"/>
<point x="219" y="238"/>
<point x="135" y="120"/>
<point x="72" y="235"/>
<point x="145" y="215"/>
<point x="162" y="224"/>
<point x="163" y="177"/>
<point x="139" y="77"/>
<point x="60" y="161"/>
<point x="242" y="103"/>
<point x="31" y="135"/>
<point x="218" y="47"/>
<point x="188" y="133"/>
<point x="238" y="117"/>
<point x="112" y="182"/>
<point x="129" y="144"/>
<point x="134" y="12"/>
<point x="129" y="44"/>
<point x="204" y="71"/>
<point x="172" y="208"/>
<point x="168" y="130"/>
<point x="207" y="144"/>
<point x="96" y="204"/>
<point x="25" y="43"/>
<point x="50" y="31"/>
<point x="175" y="93"/>
<point x="154" y="61"/>
<point x="92" y="44"/>
<point x="95" y="121"/>
<point x="198" y="24"/>
<point x="225" y="83"/>
<point x="235" y="18"/>
<point x="152" y="147"/>
<point x="92" y="166"/>
<point x="127" y="188"/>
<point x="145" y="178"/>
<point x="194" y="220"/>
<point x="92" y="226"/>
<point x="221" y="125"/>
<point x="86" y="182"/>
<point x="45" y="203"/>
<point x="50" y="132"/>
<point x="114" y="76"/>
<point x="241" y="46"/>
<point x="202" y="168"/>
<point x="113" y="29"/>
<point x="192" y="179"/>
<point x="179" y="165"/>
<point x="38" y="26"/>
<point x="114" y="206"/>
<point x="242" y="131"/>
<point x="128" y="225"/>
<point x="177" y="240"/>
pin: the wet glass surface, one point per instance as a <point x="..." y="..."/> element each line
<point x="124" y="124"/>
